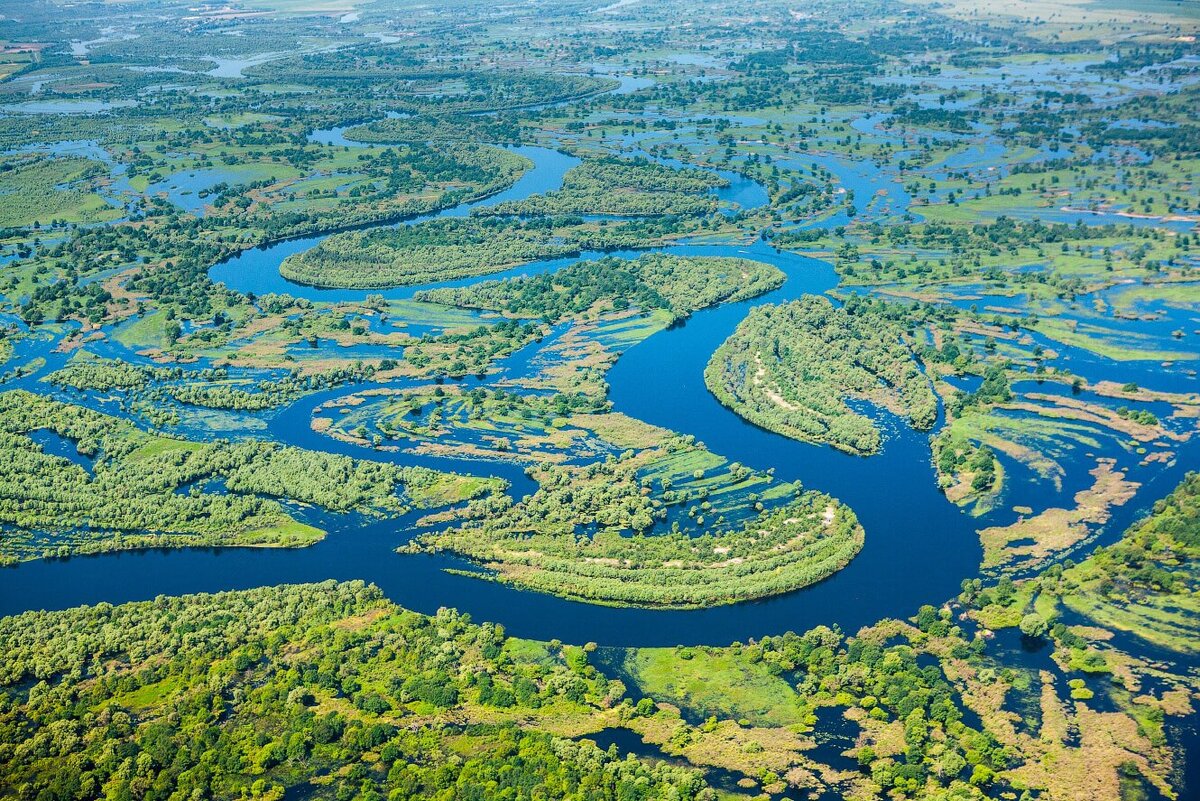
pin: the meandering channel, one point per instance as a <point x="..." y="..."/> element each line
<point x="918" y="546"/>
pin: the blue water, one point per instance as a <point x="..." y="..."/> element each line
<point x="918" y="546"/>
<point x="190" y="190"/>
<point x="58" y="445"/>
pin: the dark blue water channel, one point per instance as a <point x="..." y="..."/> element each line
<point x="918" y="546"/>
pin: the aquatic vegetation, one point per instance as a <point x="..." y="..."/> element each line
<point x="1145" y="583"/>
<point x="479" y="423"/>
<point x="969" y="473"/>
<point x="1034" y="539"/>
<point x="359" y="681"/>
<point x="449" y="249"/>
<point x="439" y="250"/>
<point x="129" y="489"/>
<point x="497" y="129"/>
<point x="210" y="388"/>
<point x="168" y="262"/>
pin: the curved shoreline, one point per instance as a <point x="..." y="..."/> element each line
<point x="918" y="546"/>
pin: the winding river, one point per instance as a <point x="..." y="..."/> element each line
<point x="918" y="546"/>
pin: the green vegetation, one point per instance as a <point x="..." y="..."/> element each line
<point x="627" y="188"/>
<point x="477" y="423"/>
<point x="210" y="388"/>
<point x="255" y="693"/>
<point x="1146" y="583"/>
<point x="585" y="534"/>
<point x="472" y="351"/>
<point x="45" y="191"/>
<point x="790" y="369"/>
<point x="969" y="473"/>
<point x="437" y="250"/>
<point x="1008" y="193"/>
<point x="136" y="490"/>
<point x="720" y="682"/>
<point x="330" y="689"/>
<point x="168" y="261"/>
<point x="460" y="128"/>
<point x="454" y="248"/>
<point x="323" y="687"/>
<point x="676" y="284"/>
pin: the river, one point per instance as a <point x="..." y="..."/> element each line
<point x="918" y="546"/>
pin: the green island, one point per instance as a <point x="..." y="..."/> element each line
<point x="423" y="253"/>
<point x="674" y="284"/>
<point x="637" y="188"/>
<point x="790" y="369"/>
<point x="544" y="543"/>
<point x="128" y="489"/>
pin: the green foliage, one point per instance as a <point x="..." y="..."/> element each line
<point x="209" y="388"/>
<point x="436" y="250"/>
<point x="142" y="490"/>
<point x="536" y="544"/>
<point x="634" y="187"/>
<point x="457" y="128"/>
<point x="46" y="190"/>
<point x="249" y="694"/>
<point x="1034" y="626"/>
<point x="791" y="368"/>
<point x="677" y="284"/>
<point x="1146" y="583"/>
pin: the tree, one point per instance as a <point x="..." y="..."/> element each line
<point x="1034" y="626"/>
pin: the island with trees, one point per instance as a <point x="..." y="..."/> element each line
<point x="792" y="368"/>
